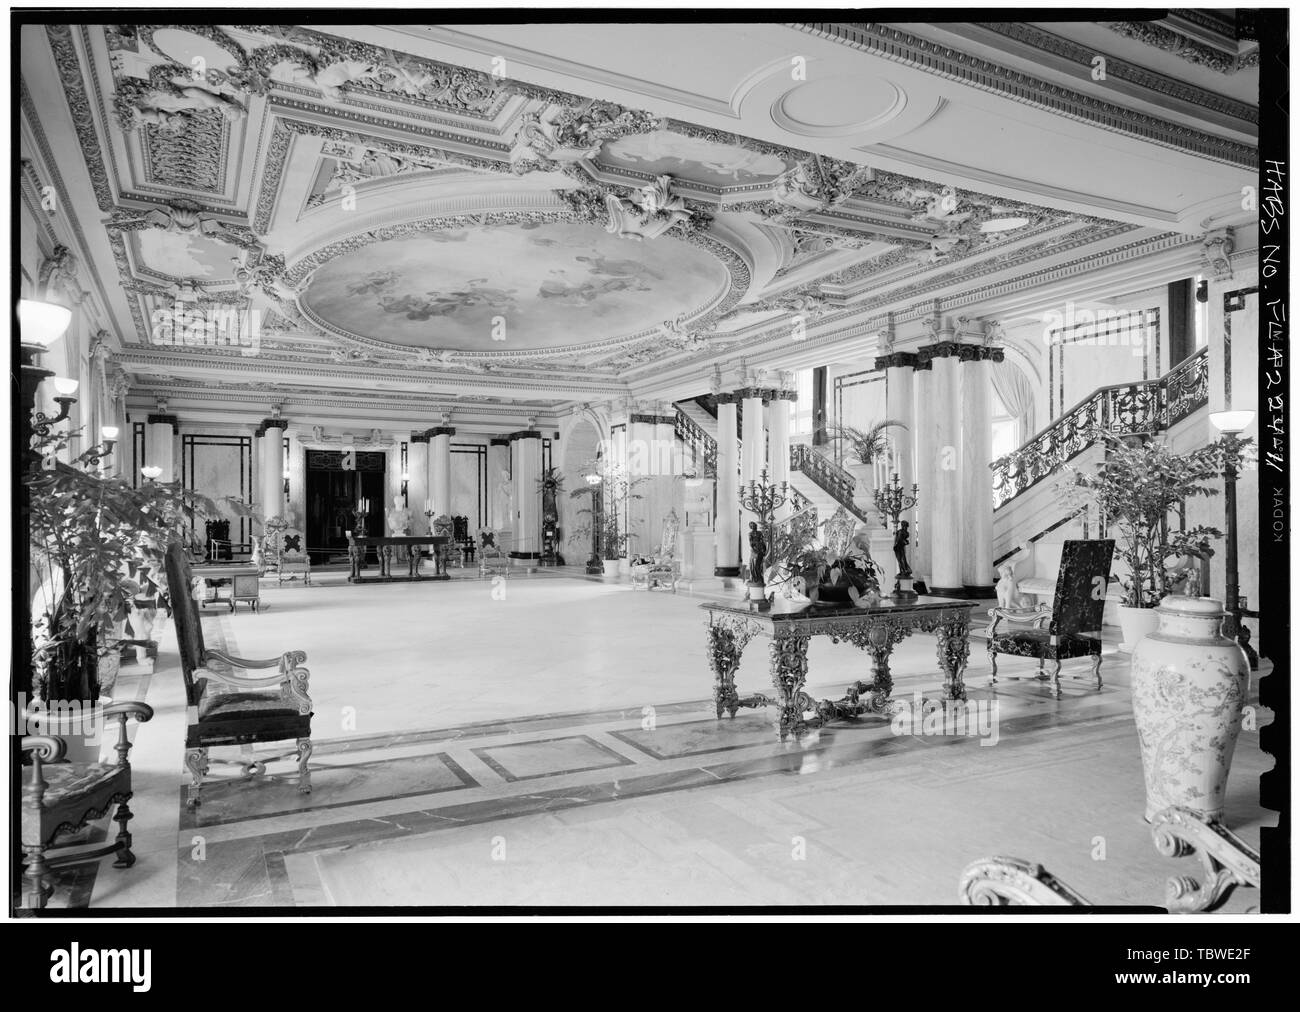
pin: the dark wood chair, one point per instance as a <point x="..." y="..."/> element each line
<point x="1071" y="627"/>
<point x="61" y="798"/>
<point x="226" y="708"/>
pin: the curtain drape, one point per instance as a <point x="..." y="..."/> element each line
<point x="1017" y="394"/>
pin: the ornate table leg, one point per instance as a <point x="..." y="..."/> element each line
<point x="355" y="556"/>
<point x="789" y="657"/>
<point x="724" y="658"/>
<point x="385" y="560"/>
<point x="954" y="648"/>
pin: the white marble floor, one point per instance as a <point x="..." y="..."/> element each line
<point x="551" y="741"/>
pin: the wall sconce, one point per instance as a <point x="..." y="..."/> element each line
<point x="109" y="433"/>
<point x="41" y="422"/>
<point x="40" y="325"/>
<point x="151" y="472"/>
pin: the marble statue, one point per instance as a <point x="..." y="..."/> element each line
<point x="399" y="524"/>
<point x="1008" y="589"/>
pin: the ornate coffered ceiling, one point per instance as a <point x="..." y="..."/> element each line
<point x="384" y="218"/>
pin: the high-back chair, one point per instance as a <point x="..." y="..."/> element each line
<point x="227" y="708"/>
<point x="287" y="547"/>
<point x="662" y="569"/>
<point x="1071" y="627"/>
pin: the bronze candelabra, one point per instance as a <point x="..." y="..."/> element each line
<point x="892" y="501"/>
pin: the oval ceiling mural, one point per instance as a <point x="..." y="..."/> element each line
<point x="552" y="284"/>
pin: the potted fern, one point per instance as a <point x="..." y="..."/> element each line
<point x="610" y="523"/>
<point x="1134" y="489"/>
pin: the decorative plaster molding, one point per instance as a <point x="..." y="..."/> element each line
<point x="902" y="47"/>
<point x="1216" y="253"/>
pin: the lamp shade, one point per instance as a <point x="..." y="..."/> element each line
<point x="42" y="323"/>
<point x="1231" y="421"/>
<point x="109" y="432"/>
<point x="64" y="386"/>
<point x="151" y="471"/>
<point x="593" y="479"/>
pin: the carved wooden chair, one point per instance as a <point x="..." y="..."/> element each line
<point x="663" y="568"/>
<point x="60" y="798"/>
<point x="1070" y="628"/>
<point x="1226" y="861"/>
<point x="491" y="558"/>
<point x="227" y="708"/>
<point x="286" y="548"/>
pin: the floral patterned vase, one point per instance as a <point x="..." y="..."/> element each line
<point x="1189" y="685"/>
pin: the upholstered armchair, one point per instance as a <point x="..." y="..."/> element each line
<point x="663" y="568"/>
<point x="1070" y="628"/>
<point x="286" y="551"/>
<point x="225" y="707"/>
<point x="491" y="559"/>
<point x="60" y="798"/>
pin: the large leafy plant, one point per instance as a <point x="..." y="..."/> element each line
<point x="617" y="491"/>
<point x="91" y="536"/>
<point x="824" y="555"/>
<point x="866" y="446"/>
<point x="1135" y="488"/>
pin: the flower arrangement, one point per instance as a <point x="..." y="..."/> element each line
<point x="836" y="569"/>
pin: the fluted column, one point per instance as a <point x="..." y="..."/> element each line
<point x="272" y="467"/>
<point x="900" y="367"/>
<point x="726" y="523"/>
<point x="439" y="469"/>
<point x="160" y="445"/>
<point x="417" y="488"/>
<point x="977" y="484"/>
<point x="924" y="467"/>
<point x="778" y="440"/>
<point x="945" y="410"/>
<point x="526" y="460"/>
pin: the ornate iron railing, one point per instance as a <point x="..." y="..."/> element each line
<point x="704" y="445"/>
<point x="1124" y="408"/>
<point x="826" y="475"/>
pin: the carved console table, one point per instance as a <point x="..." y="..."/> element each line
<point x="384" y="549"/>
<point x="875" y="630"/>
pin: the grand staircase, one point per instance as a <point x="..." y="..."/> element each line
<point x="1026" y="507"/>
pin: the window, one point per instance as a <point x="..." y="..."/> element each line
<point x="801" y="411"/>
<point x="1006" y="428"/>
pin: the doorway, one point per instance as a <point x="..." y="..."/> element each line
<point x="332" y="497"/>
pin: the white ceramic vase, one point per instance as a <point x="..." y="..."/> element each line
<point x="1189" y="686"/>
<point x="1135" y="623"/>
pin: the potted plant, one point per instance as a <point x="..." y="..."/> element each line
<point x="863" y="448"/>
<point x="1135" y="488"/>
<point x="616" y="492"/>
<point x="91" y="535"/>
<point x="835" y="570"/>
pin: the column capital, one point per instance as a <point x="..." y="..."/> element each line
<point x="980" y="353"/>
<point x="785" y="395"/>
<point x="440" y="430"/>
<point x="419" y="437"/>
<point x="525" y="434"/>
<point x="272" y="423"/>
<point x="940" y="349"/>
<point x="764" y="394"/>
<point x="727" y="398"/>
<point x="159" y="419"/>
<point x="499" y="441"/>
<point x="897" y="360"/>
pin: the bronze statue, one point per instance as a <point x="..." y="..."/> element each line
<point x="901" y="540"/>
<point x="757" y="553"/>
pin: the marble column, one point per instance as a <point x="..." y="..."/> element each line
<point x="946" y="529"/>
<point x="160" y="445"/>
<point x="526" y="461"/>
<point x="977" y="479"/>
<point x="923" y="473"/>
<point x="727" y="521"/>
<point x="417" y="489"/>
<point x="439" y="469"/>
<point x="272" y="467"/>
<point x="500" y="486"/>
<point x="778" y="440"/>
<point x="753" y="436"/>
<point x="900" y="405"/>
